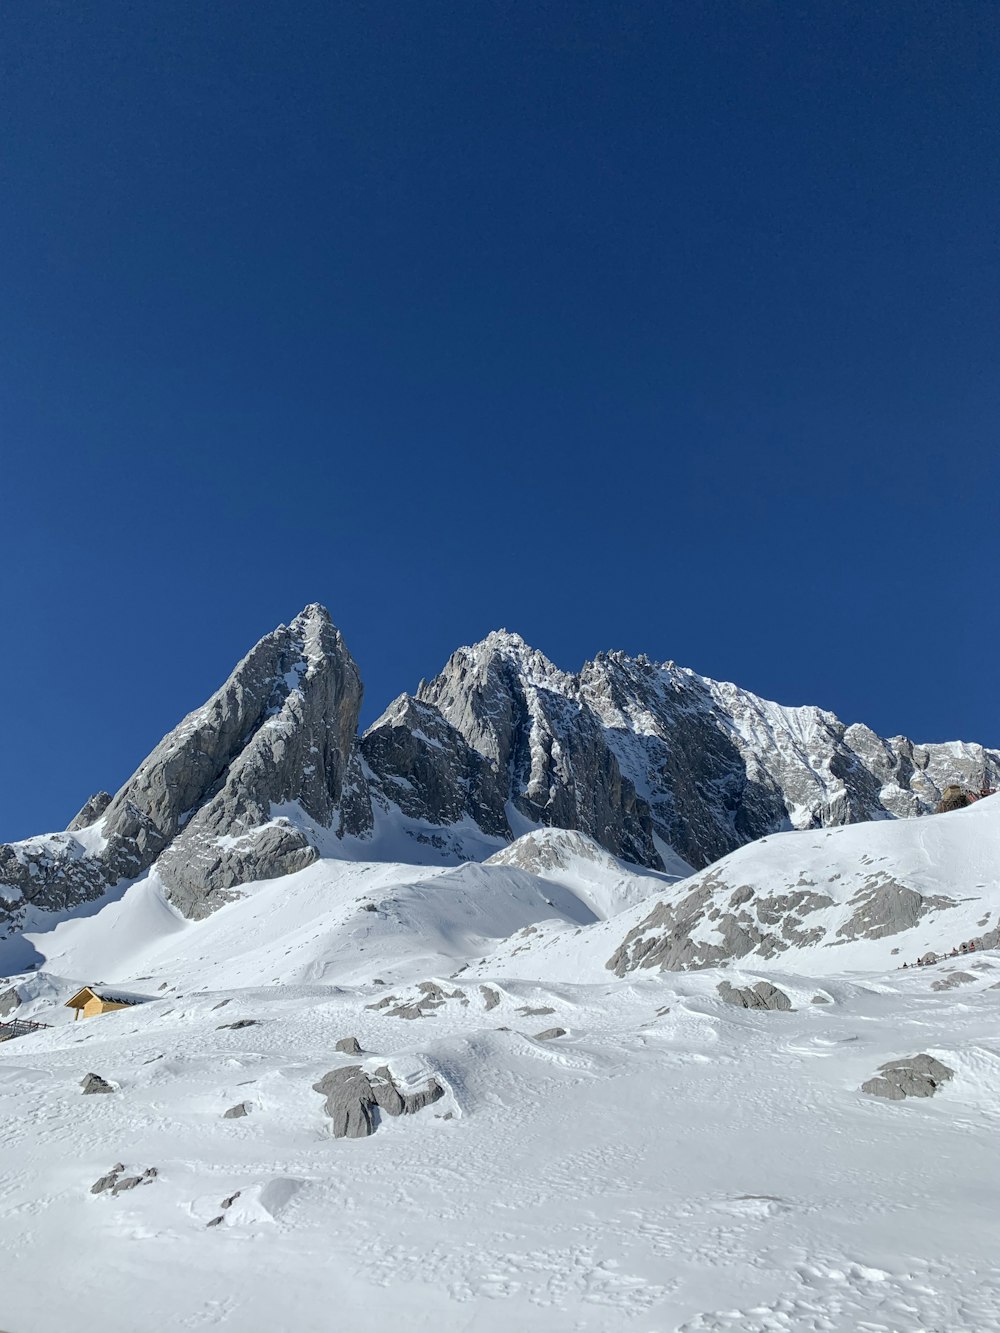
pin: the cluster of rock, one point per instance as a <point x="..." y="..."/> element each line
<point x="354" y="1099"/>
<point x="117" y="1182"/>
<point x="913" y="1076"/>
<point x="763" y="995"/>
<point x="225" y="1205"/>
<point x="431" y="996"/>
<point x="760" y="902"/>
<point x="642" y="757"/>
<point x="91" y="1083"/>
<point x="951" y="980"/>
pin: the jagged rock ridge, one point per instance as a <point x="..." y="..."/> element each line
<point x="652" y="761"/>
<point x="647" y="758"/>
<point x="201" y="806"/>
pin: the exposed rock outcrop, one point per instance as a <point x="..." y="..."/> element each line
<point x="349" y="1101"/>
<point x="353" y="1099"/>
<point x="761" y="996"/>
<point x="94" y="1083"/>
<point x="627" y="748"/>
<point x="117" y="1182"/>
<point x="817" y="889"/>
<point x="430" y="997"/>
<point x="952" y="979"/>
<point x="912" y="1076"/>
<point x="421" y="763"/>
<point x="671" y="936"/>
<point x="91" y="812"/>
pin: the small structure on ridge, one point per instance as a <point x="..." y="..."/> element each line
<point x="102" y="1000"/>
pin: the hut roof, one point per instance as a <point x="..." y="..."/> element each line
<point x="110" y="995"/>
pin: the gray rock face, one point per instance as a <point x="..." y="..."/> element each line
<point x="547" y="749"/>
<point x="413" y="1102"/>
<point x="352" y="1097"/>
<point x="349" y="1046"/>
<point x="550" y="1034"/>
<point x="422" y="764"/>
<point x="814" y="889"/>
<point x="300" y="692"/>
<point x="9" y="1001"/>
<point x="90" y="813"/>
<point x="237" y="1112"/>
<point x="117" y="1182"/>
<point x="634" y="754"/>
<point x="914" y="1076"/>
<point x="761" y="996"/>
<point x="884" y="907"/>
<point x="430" y="998"/>
<point x="721" y="767"/>
<point x="94" y="1083"/>
<point x="387" y="1096"/>
<point x="279" y="733"/>
<point x="349" y="1102"/>
<point x="130" y="1182"/>
<point x="671" y="936"/>
<point x="628" y="748"/>
<point x="952" y="979"/>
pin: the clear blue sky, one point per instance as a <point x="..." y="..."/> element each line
<point x="666" y="327"/>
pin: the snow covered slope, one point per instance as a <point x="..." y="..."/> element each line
<point x="863" y="896"/>
<point x="336" y="921"/>
<point x="581" y="1150"/>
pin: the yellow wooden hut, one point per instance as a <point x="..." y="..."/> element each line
<point x="99" y="1000"/>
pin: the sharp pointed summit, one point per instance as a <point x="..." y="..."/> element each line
<point x="662" y="767"/>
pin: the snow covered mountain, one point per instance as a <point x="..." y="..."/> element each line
<point x="662" y="767"/>
<point x="876" y="892"/>
<point x="419" y="1095"/>
<point x="202" y="805"/>
<point x="433" y="1026"/>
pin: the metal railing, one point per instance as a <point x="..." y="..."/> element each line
<point x="19" y="1027"/>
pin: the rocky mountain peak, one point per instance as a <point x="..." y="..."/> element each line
<point x="650" y="760"/>
<point x="278" y="733"/>
<point x="527" y="719"/>
<point x="90" y="812"/>
<point x="501" y="656"/>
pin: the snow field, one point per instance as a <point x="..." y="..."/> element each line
<point x="671" y="1164"/>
